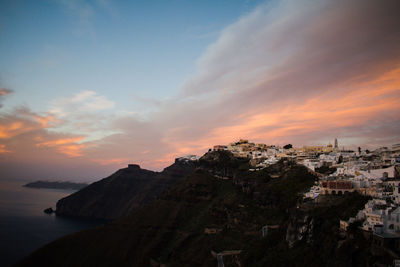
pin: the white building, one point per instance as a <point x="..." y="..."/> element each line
<point x="381" y="217"/>
<point x="312" y="163"/>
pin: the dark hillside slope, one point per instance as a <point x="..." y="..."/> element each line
<point x="122" y="192"/>
<point x="204" y="214"/>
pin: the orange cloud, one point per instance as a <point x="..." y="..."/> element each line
<point x="61" y="141"/>
<point x="3" y="149"/>
<point x="12" y="129"/>
<point x="44" y="120"/>
<point x="67" y="146"/>
<point x="72" y="150"/>
<point x="21" y="122"/>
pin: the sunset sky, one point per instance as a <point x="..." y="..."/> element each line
<point x="87" y="87"/>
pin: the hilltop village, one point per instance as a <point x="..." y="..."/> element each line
<point x="371" y="173"/>
<point x="242" y="204"/>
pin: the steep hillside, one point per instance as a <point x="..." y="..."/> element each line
<point x="220" y="207"/>
<point x="122" y="192"/>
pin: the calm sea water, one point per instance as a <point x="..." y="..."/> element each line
<point x="24" y="227"/>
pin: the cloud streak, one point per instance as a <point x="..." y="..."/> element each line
<point x="3" y="93"/>
<point x="85" y="101"/>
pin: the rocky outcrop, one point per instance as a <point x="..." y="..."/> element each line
<point x="397" y="171"/>
<point x="121" y="192"/>
<point x="299" y="229"/>
<point x="48" y="210"/>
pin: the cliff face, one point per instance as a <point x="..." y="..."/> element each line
<point x="222" y="208"/>
<point x="219" y="207"/>
<point x="121" y="192"/>
<point x="313" y="232"/>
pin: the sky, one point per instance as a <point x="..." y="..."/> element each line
<point x="87" y="87"/>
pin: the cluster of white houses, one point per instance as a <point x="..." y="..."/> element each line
<point x="374" y="173"/>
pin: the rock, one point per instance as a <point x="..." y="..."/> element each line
<point x="133" y="166"/>
<point x="48" y="211"/>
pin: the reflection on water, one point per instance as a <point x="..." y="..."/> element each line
<point x="24" y="226"/>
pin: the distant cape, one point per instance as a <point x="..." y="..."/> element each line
<point x="56" y="185"/>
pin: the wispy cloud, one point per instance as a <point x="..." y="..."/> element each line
<point x="56" y="129"/>
<point x="22" y="120"/>
<point x="25" y="133"/>
<point x="3" y="93"/>
<point x="85" y="113"/>
<point x="3" y="149"/>
<point x="68" y="146"/>
<point x="84" y="101"/>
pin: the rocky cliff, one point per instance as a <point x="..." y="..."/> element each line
<point x="121" y="192"/>
<point x="248" y="218"/>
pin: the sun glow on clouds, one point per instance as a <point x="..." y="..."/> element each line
<point x="71" y="150"/>
<point x="80" y="115"/>
<point x="43" y="130"/>
<point x="362" y="104"/>
<point x="11" y="129"/>
<point x="21" y="122"/>
<point x="67" y="146"/>
<point x="3" y="149"/>
<point x="296" y="73"/>
<point x="299" y="72"/>
<point x="24" y="125"/>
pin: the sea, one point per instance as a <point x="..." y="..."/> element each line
<point x="24" y="227"/>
